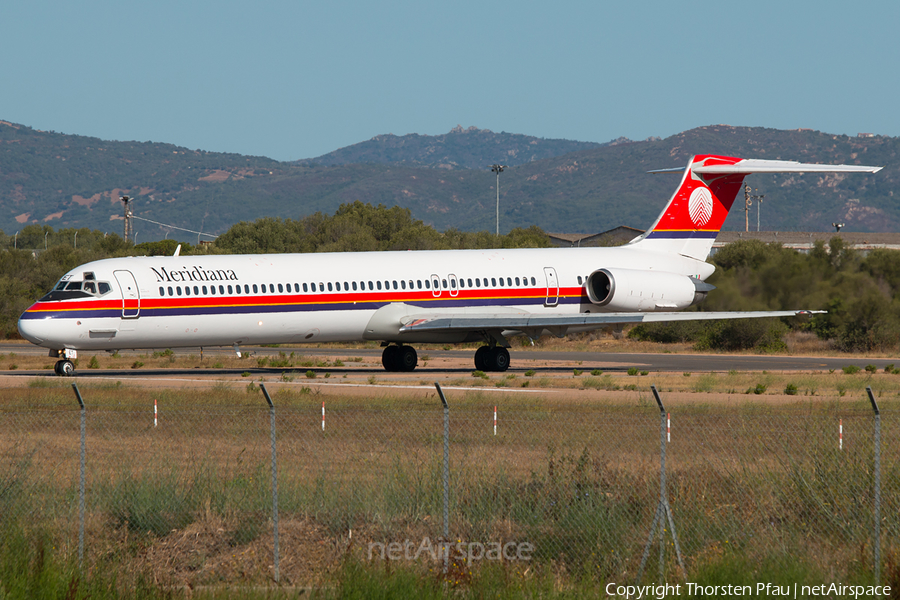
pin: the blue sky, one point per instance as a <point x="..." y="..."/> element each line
<point x="293" y="80"/>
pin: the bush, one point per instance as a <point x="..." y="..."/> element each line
<point x="791" y="389"/>
<point x="851" y="369"/>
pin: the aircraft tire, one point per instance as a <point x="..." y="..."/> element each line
<point x="390" y="358"/>
<point x="480" y="358"/>
<point x="407" y="359"/>
<point x="64" y="368"/>
<point x="498" y="359"/>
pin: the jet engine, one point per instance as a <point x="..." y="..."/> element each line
<point x="625" y="290"/>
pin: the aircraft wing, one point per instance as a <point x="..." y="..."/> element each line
<point x="525" y="321"/>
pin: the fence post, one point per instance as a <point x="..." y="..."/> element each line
<point x="274" y="479"/>
<point x="876" y="543"/>
<point x="663" y="511"/>
<point x="446" y="476"/>
<point x="81" y="483"/>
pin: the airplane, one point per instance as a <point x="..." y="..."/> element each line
<point x="403" y="298"/>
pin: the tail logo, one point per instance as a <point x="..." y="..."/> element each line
<point x="700" y="206"/>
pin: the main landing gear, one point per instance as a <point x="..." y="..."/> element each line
<point x="399" y="358"/>
<point x="492" y="359"/>
<point x="404" y="358"/>
<point x="64" y="368"/>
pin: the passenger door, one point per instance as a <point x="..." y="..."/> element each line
<point x="131" y="297"/>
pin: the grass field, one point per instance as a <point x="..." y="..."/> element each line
<point x="756" y="482"/>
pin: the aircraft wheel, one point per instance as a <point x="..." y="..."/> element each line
<point x="407" y="358"/>
<point x="390" y="358"/>
<point x="64" y="368"/>
<point x="498" y="359"/>
<point x="480" y="355"/>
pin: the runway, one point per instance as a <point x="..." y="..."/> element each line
<point x="460" y="362"/>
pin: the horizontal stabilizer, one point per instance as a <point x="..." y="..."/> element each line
<point x="747" y="166"/>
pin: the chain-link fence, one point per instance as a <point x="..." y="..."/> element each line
<point x="536" y="481"/>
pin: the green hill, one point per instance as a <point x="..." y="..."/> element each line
<point x="470" y="148"/>
<point x="75" y="181"/>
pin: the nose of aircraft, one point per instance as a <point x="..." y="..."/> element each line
<point x="33" y="330"/>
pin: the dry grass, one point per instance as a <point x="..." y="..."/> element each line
<point x="575" y="473"/>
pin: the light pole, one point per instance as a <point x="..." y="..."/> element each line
<point x="126" y="200"/>
<point x="76" y="240"/>
<point x="498" y="169"/>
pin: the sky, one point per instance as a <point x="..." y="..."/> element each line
<point x="292" y="80"/>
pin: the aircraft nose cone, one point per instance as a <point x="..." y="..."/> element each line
<point x="33" y="330"/>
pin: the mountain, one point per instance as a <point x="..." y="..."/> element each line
<point x="74" y="181"/>
<point x="470" y="148"/>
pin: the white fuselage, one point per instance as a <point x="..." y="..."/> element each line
<point x="218" y="300"/>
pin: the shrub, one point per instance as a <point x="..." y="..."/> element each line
<point x="851" y="369"/>
<point x="790" y="389"/>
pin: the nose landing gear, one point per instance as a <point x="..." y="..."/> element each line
<point x="64" y="368"/>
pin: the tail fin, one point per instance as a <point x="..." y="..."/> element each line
<point x="693" y="217"/>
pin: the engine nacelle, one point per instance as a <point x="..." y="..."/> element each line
<point x="633" y="290"/>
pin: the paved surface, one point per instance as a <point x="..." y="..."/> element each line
<point x="521" y="360"/>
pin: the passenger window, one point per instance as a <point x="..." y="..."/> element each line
<point x="403" y="284"/>
<point x="493" y="282"/>
<point x="579" y="280"/>
<point x="517" y="282"/>
<point x="178" y="290"/>
<point x="280" y="289"/>
<point x="187" y="290"/>
<point x="204" y="290"/>
<point x="427" y="284"/>
<point x="370" y="285"/>
<point x="387" y="285"/>
<point x="255" y="289"/>
<point x="305" y="288"/>
<point x="453" y="283"/>
<point x="501" y="282"/>
<point x="346" y="287"/>
<point x="196" y="291"/>
<point x="509" y="281"/>
<point x="378" y="284"/>
<point x="171" y="291"/>
<point x="477" y="282"/>
<point x="230" y="290"/>
<point x="419" y="283"/>
<point x="330" y="289"/>
<point x="470" y="282"/>
<point x="162" y="291"/>
<point x="246" y="289"/>
<point x="321" y="287"/>
<point x="533" y="282"/>
<point x="237" y="289"/>
<point x="296" y="288"/>
<point x="212" y="290"/>
<point x="222" y="289"/>
<point x="444" y="283"/>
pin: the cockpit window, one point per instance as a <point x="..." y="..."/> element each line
<point x="69" y="290"/>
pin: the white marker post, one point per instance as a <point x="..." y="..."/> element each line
<point x="495" y="420"/>
<point x="840" y="434"/>
<point x="323" y="416"/>
<point x="668" y="427"/>
<point x="154" y="412"/>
